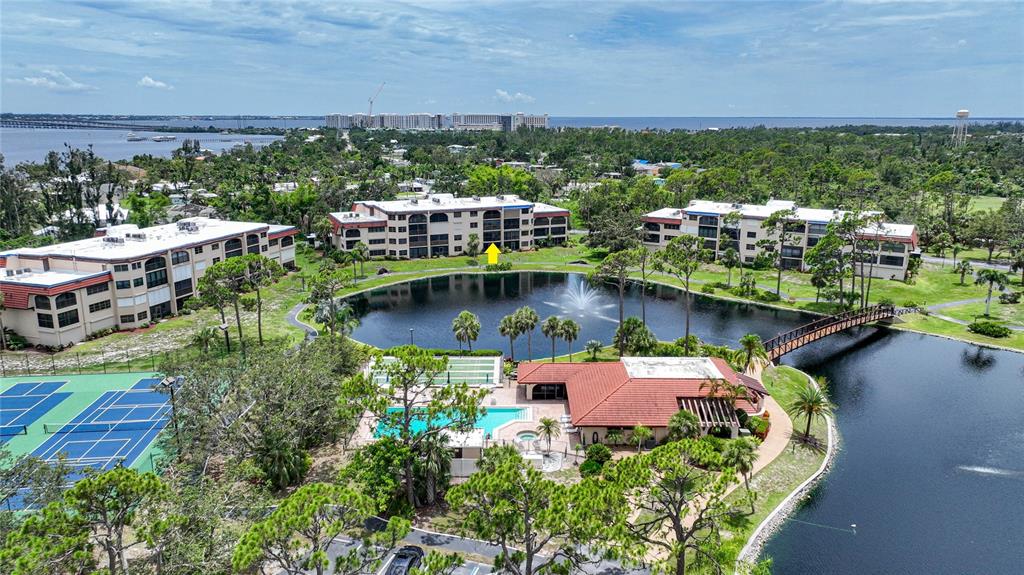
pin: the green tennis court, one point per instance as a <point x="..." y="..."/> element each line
<point x="473" y="371"/>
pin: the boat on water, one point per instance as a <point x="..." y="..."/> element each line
<point x="164" y="138"/>
<point x="134" y="138"/>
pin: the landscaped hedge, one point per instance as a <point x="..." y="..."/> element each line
<point x="989" y="329"/>
<point x="758" y="426"/>
<point x="451" y="352"/>
<point x="502" y="267"/>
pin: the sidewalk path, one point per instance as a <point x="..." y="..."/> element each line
<point x="293" y="319"/>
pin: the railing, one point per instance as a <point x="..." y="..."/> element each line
<point x="817" y="329"/>
<point x="72" y="362"/>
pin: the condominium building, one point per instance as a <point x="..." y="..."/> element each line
<point x="441" y="224"/>
<point x="893" y="245"/>
<point x="124" y="277"/>
<point x="480" y="122"/>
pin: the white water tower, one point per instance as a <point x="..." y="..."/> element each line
<point x="960" y="129"/>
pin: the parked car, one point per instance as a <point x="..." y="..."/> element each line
<point x="405" y="560"/>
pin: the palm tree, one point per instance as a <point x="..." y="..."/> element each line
<point x="992" y="278"/>
<point x="435" y="458"/>
<point x="810" y="402"/>
<point x="337" y="315"/>
<point x="634" y="337"/>
<point x="569" y="331"/>
<point x="203" y="337"/>
<point x="730" y="259"/>
<point x="740" y="454"/>
<point x="640" y="435"/>
<point x="593" y="347"/>
<point x="723" y="388"/>
<point x="360" y="253"/>
<point x="509" y="327"/>
<point x="683" y="425"/>
<point x="964" y="268"/>
<point x="552" y="328"/>
<point x="466" y="327"/>
<point x="548" y="429"/>
<point x="751" y="345"/>
<point x="614" y="437"/>
<point x="527" y="319"/>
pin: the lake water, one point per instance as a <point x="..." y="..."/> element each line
<point x="931" y="468"/>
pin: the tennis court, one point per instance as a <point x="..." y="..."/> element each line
<point x="114" y="430"/>
<point x="24" y="403"/>
<point x="473" y="371"/>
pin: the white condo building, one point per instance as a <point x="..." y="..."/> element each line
<point x="441" y="224"/>
<point x="894" y="244"/>
<point x="124" y="277"/>
<point x="479" y="122"/>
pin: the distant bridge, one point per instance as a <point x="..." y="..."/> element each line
<point x="782" y="344"/>
<point x="73" y="124"/>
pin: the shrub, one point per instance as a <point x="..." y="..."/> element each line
<point x="989" y="329"/>
<point x="15" y="342"/>
<point x="502" y="267"/>
<point x="472" y="262"/>
<point x="886" y="301"/>
<point x="758" y="426"/>
<point x="590" y="468"/>
<point x="910" y="303"/>
<point x="1010" y="297"/>
<point x="707" y="288"/>
<point x="766" y="296"/>
<point x="599" y="453"/>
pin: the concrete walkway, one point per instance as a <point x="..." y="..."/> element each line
<point x="975" y="263"/>
<point x="293" y="320"/>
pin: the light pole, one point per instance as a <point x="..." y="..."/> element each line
<point x="168" y="383"/>
<point x="410" y="337"/>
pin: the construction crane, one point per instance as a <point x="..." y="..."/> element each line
<point x="370" y="112"/>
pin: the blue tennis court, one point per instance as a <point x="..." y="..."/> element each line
<point x="114" y="430"/>
<point x="24" y="403"/>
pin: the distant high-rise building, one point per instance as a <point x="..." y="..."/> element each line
<point x="480" y="122"/>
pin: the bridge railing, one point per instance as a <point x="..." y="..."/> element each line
<point x="849" y="318"/>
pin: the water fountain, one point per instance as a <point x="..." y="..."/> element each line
<point x="581" y="300"/>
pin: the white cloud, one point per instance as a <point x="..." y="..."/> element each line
<point x="147" y="82"/>
<point x="54" y="80"/>
<point x="518" y="97"/>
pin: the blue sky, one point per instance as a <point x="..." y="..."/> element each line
<point x="596" y="58"/>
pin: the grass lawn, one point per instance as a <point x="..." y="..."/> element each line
<point x="773" y="483"/>
<point x="1007" y="313"/>
<point x="980" y="203"/>
<point x="936" y="326"/>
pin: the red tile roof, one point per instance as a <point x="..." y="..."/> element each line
<point x="604" y="395"/>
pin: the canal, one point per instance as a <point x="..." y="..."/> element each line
<point x="931" y="467"/>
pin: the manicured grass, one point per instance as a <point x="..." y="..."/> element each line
<point x="607" y="353"/>
<point x="1008" y="313"/>
<point x="773" y="483"/>
<point x="936" y="326"/>
<point x="979" y="203"/>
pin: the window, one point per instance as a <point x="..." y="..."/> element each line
<point x="198" y="249"/>
<point x="233" y="248"/>
<point x="402" y="252"/>
<point x="158" y="263"/>
<point x="100" y="305"/>
<point x="216" y="260"/>
<point x="457" y="238"/>
<point x="818" y="229"/>
<point x="458" y="214"/>
<point x="671" y="226"/>
<point x="263" y="234"/>
<point x="526" y="210"/>
<point x="792" y="252"/>
<point x="376" y="230"/>
<point x="123" y="284"/>
<point x="44" y="320"/>
<point x="376" y="241"/>
<point x="143" y="315"/>
<point x="252" y="239"/>
<point x="65" y="299"/>
<point x="392" y="229"/>
<point x="274" y="242"/>
<point x="751" y="234"/>
<point x="136" y="265"/>
<point x="263" y="248"/>
<point x="179" y="257"/>
<point x="215" y="247"/>
<point x="156" y="278"/>
<point x="692" y="217"/>
<point x="401" y="240"/>
<point x="98" y="288"/>
<point x="353" y="233"/>
<point x="472" y="214"/>
<point x="473" y="224"/>
<point x="751" y="247"/>
<point x="138" y="281"/>
<point x="401" y="218"/>
<point x="66" y="318"/>
<point x="524" y="222"/>
<point x="436" y="218"/>
<point x="120" y="267"/>
<point x="401" y="229"/>
<point x="182" y="287"/>
<point x="42" y="302"/>
<point x="375" y="253"/>
<point x="439" y="238"/>
<point x="894" y="247"/>
<point x="127" y="319"/>
<point x="891" y="261"/>
<point x="458" y="248"/>
<point x="393" y="241"/>
<point x="287" y="241"/>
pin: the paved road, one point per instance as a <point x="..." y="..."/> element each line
<point x="293" y="319"/>
<point x="977" y="264"/>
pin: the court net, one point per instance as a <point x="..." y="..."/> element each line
<point x="8" y="430"/>
<point x="100" y="426"/>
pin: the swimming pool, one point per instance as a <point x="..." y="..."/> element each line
<point x="493" y="419"/>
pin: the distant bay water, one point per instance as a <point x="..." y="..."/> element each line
<point x="31" y="145"/>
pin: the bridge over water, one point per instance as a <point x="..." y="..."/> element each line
<point x="784" y="343"/>
<point x="73" y="124"/>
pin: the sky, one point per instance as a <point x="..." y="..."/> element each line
<point x="595" y="58"/>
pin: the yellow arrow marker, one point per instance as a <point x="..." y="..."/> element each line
<point x="492" y="254"/>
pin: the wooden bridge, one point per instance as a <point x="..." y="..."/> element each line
<point x="72" y="124"/>
<point x="782" y="344"/>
